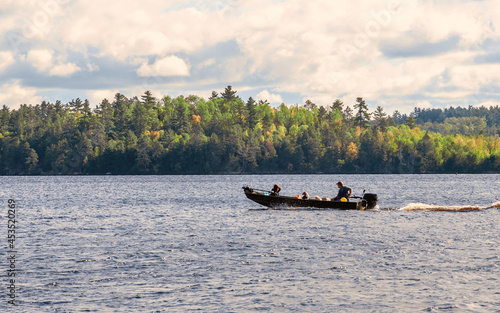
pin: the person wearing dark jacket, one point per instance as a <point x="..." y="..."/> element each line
<point x="276" y="190"/>
<point x="344" y="192"/>
<point x="305" y="195"/>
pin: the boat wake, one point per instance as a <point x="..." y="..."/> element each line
<point x="410" y="207"/>
<point x="455" y="208"/>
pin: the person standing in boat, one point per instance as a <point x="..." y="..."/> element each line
<point x="344" y="192"/>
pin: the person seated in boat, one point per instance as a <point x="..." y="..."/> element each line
<point x="276" y="190"/>
<point x="305" y="195"/>
<point x="344" y="192"/>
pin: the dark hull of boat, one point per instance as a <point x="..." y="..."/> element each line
<point x="283" y="201"/>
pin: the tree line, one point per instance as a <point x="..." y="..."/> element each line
<point x="225" y="134"/>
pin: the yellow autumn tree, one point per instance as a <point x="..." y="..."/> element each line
<point x="352" y="152"/>
<point x="196" y="119"/>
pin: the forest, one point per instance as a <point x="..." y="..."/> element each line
<point x="225" y="134"/>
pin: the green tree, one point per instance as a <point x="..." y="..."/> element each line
<point x="76" y="106"/>
<point x="410" y="121"/>
<point x="309" y="105"/>
<point x="122" y="109"/>
<point x="215" y="95"/>
<point x="229" y="94"/>
<point x="337" y="105"/>
<point x="380" y="118"/>
<point x="85" y="116"/>
<point x="251" y="112"/>
<point x="180" y="119"/>
<point x="427" y="155"/>
<point x="106" y="112"/>
<point x="224" y="134"/>
<point x="362" y="116"/>
<point x="148" y="100"/>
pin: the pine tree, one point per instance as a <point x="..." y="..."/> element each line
<point x="379" y="117"/>
<point x="148" y="100"/>
<point x="338" y="105"/>
<point x="229" y="94"/>
<point x="252" y="113"/>
<point x="362" y="116"/>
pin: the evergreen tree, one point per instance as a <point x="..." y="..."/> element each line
<point x="190" y="135"/>
<point x="215" y="95"/>
<point x="252" y="114"/>
<point x="397" y="117"/>
<point x="122" y="113"/>
<point x="410" y="121"/>
<point x="229" y="94"/>
<point x="76" y="105"/>
<point x="379" y="118"/>
<point x="362" y="116"/>
<point x="338" y="105"/>
<point x="148" y="100"/>
<point x="106" y="114"/>
<point x="309" y="105"/>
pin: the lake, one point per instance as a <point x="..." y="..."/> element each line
<point x="195" y="243"/>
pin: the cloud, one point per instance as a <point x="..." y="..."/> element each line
<point x="43" y="61"/>
<point x="207" y="63"/>
<point x="488" y="104"/>
<point x="146" y="28"/>
<point x="271" y="98"/>
<point x="6" y="60"/>
<point x="424" y="104"/>
<point x="64" y="69"/>
<point x="96" y="96"/>
<point x="390" y="52"/>
<point x="5" y="4"/>
<point x="307" y="56"/>
<point x="167" y="66"/>
<point x="14" y="94"/>
<point x="397" y="50"/>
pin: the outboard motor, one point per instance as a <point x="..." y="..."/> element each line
<point x="371" y="200"/>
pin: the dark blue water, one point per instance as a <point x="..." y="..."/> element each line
<point x="195" y="243"/>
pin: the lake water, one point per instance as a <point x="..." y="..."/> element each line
<point x="195" y="243"/>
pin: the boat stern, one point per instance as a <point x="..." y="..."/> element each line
<point x="371" y="200"/>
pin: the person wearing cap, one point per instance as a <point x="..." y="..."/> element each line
<point x="344" y="192"/>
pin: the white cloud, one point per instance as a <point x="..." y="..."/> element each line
<point x="6" y="60"/>
<point x="489" y="103"/>
<point x="96" y="96"/>
<point x="271" y="98"/>
<point x="145" y="28"/>
<point x="473" y="76"/>
<point x="13" y="95"/>
<point x="319" y="49"/>
<point x="207" y="63"/>
<point x="306" y="55"/>
<point x="43" y="61"/>
<point x="5" y="4"/>
<point x="468" y="20"/>
<point x="64" y="69"/>
<point x="167" y="66"/>
<point x="424" y="104"/>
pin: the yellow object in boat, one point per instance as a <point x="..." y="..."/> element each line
<point x="343" y="199"/>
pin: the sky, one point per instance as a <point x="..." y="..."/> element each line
<point x="394" y="53"/>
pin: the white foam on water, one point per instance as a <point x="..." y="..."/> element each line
<point x="453" y="208"/>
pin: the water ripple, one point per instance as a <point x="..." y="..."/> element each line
<point x="195" y="243"/>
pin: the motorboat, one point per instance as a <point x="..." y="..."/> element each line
<point x="273" y="200"/>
